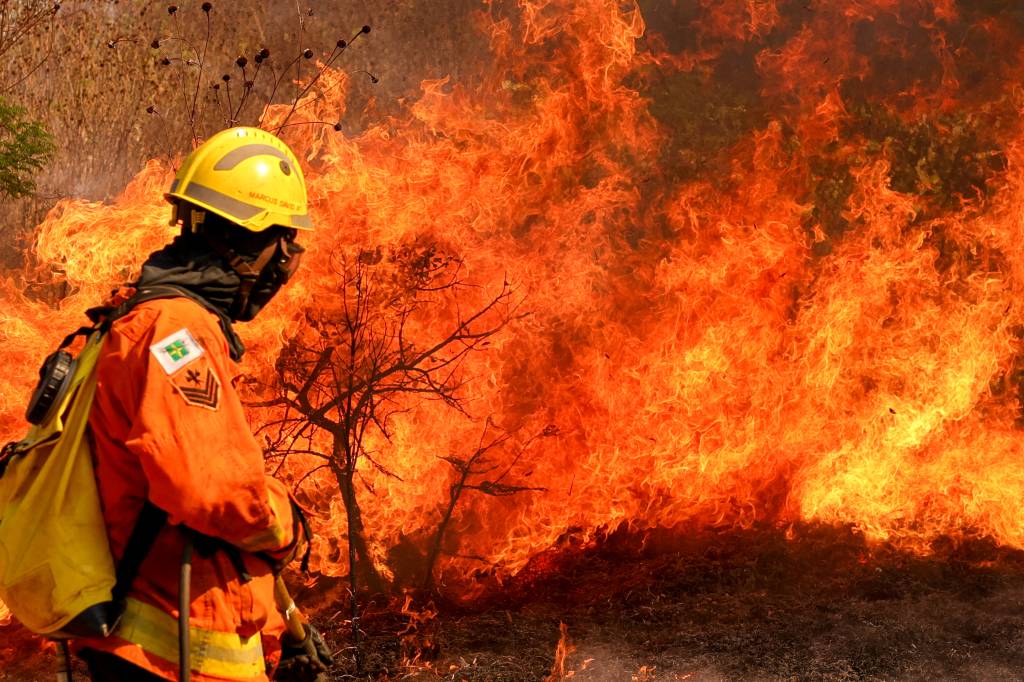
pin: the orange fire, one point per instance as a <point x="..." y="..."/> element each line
<point x="790" y="321"/>
<point x="563" y="650"/>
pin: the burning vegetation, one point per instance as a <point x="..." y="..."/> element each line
<point x="679" y="294"/>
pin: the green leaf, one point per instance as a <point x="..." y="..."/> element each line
<point x="25" y="146"/>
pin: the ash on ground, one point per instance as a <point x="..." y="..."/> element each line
<point x="707" y="607"/>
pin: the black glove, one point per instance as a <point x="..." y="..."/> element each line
<point x="304" y="661"/>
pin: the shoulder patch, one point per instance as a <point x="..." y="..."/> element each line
<point x="176" y="351"/>
<point x="198" y="385"/>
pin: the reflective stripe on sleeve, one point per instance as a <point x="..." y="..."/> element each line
<point x="220" y="654"/>
<point x="271" y="538"/>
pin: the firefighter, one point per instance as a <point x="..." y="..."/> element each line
<point x="168" y="427"/>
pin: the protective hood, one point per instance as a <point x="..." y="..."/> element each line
<point x="188" y="264"/>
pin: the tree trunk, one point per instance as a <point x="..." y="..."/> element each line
<point x="356" y="531"/>
<point x="454" y="492"/>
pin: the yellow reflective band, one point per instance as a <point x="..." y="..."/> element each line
<point x="270" y="539"/>
<point x="220" y="654"/>
<point x="240" y="154"/>
<point x="221" y="202"/>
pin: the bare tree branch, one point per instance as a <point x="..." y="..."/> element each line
<point x="476" y="465"/>
<point x="364" y="357"/>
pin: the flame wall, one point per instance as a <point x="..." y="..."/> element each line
<point x="771" y="252"/>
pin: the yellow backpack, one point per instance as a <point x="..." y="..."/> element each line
<point x="57" y="574"/>
<point x="55" y="561"/>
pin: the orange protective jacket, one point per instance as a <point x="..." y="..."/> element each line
<point x="168" y="426"/>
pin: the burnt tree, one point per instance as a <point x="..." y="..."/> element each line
<point x="355" y="364"/>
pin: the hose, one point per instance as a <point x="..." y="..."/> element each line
<point x="64" y="670"/>
<point x="184" y="607"/>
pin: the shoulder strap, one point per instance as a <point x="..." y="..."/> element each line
<point x="151" y="520"/>
<point x="105" y="316"/>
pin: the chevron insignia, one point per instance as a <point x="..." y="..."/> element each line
<point x="197" y="389"/>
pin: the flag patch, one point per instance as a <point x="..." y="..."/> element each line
<point x="176" y="351"/>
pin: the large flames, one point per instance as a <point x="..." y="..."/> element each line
<point x="772" y="258"/>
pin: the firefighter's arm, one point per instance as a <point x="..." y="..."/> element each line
<point x="202" y="463"/>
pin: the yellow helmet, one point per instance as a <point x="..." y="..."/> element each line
<point x="246" y="175"/>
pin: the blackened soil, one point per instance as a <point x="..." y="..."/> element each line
<point x="739" y="606"/>
<point x="752" y="605"/>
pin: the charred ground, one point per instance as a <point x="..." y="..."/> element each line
<point x="749" y="606"/>
<point x="737" y="606"/>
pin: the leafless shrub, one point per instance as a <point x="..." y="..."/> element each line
<point x="355" y="365"/>
<point x="482" y="473"/>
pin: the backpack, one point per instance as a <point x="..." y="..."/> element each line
<point x="57" y="573"/>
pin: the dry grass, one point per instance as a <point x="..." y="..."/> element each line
<point x="93" y="98"/>
<point x="745" y="606"/>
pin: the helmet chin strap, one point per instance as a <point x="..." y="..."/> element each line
<point x="248" y="271"/>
